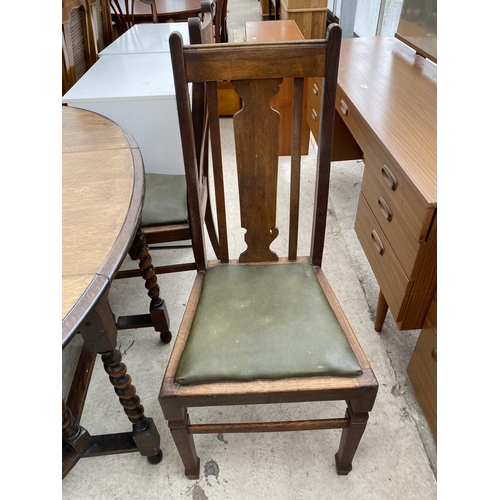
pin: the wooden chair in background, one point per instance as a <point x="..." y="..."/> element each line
<point x="220" y="18"/>
<point x="102" y="24"/>
<point x="78" y="42"/>
<point x="262" y="329"/>
<point x="125" y="18"/>
<point x="165" y="215"/>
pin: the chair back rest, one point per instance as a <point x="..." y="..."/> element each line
<point x="256" y="70"/>
<point x="101" y="23"/>
<point x="200" y="30"/>
<point x="124" y="14"/>
<point x="221" y="21"/>
<point x="78" y="42"/>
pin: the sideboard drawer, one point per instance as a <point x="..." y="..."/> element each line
<point x="344" y="145"/>
<point x="383" y="261"/>
<point x="315" y="86"/>
<point x="398" y="212"/>
<point x="313" y="117"/>
<point x="313" y="105"/>
<point x="401" y="190"/>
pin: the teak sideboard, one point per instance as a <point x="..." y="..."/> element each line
<point x="386" y="97"/>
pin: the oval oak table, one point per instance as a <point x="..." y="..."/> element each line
<point x="166" y="10"/>
<point x="102" y="196"/>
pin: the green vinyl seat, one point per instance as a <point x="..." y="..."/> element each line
<point x="165" y="201"/>
<point x="268" y="321"/>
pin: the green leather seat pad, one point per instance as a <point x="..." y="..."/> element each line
<point x="267" y="321"/>
<point x="165" y="201"/>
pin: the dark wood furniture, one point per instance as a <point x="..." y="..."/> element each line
<point x="229" y="101"/>
<point x="274" y="10"/>
<point x="275" y="31"/>
<point x="165" y="217"/>
<point x="263" y="329"/>
<point x="123" y="13"/>
<point x="101" y="209"/>
<point x="220" y="21"/>
<point x="166" y="10"/>
<point x="103" y="27"/>
<point x="78" y="42"/>
<point x="86" y="30"/>
<point x="264" y="10"/>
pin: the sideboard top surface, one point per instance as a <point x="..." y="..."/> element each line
<point x="395" y="91"/>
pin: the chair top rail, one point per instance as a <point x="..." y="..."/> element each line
<point x="258" y="60"/>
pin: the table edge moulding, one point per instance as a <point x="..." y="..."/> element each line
<point x="103" y="187"/>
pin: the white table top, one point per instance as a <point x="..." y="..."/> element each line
<point x="125" y="77"/>
<point x="146" y="38"/>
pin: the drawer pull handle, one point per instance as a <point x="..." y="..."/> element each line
<point x="343" y="107"/>
<point x="389" y="178"/>
<point x="377" y="242"/>
<point x="385" y="209"/>
<point x="314" y="114"/>
<point x="434" y="354"/>
<point x="315" y="89"/>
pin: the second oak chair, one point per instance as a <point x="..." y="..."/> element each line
<point x="262" y="329"/>
<point x="165" y="216"/>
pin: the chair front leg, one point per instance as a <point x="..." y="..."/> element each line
<point x="185" y="446"/>
<point x="349" y="440"/>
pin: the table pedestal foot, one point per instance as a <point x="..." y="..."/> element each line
<point x="74" y="435"/>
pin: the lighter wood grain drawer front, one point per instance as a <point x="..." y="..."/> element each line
<point x="351" y="118"/>
<point x="315" y="86"/>
<point x="396" y="209"/>
<point x="383" y="261"/>
<point x="313" y="105"/>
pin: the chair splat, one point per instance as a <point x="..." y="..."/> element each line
<point x="257" y="165"/>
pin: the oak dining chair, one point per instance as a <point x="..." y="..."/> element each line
<point x="220" y="21"/>
<point x="78" y="42"/>
<point x="166" y="217"/>
<point x="261" y="328"/>
<point x="102" y="24"/>
<point x="125" y="17"/>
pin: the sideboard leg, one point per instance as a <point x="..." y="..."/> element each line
<point x="381" y="313"/>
